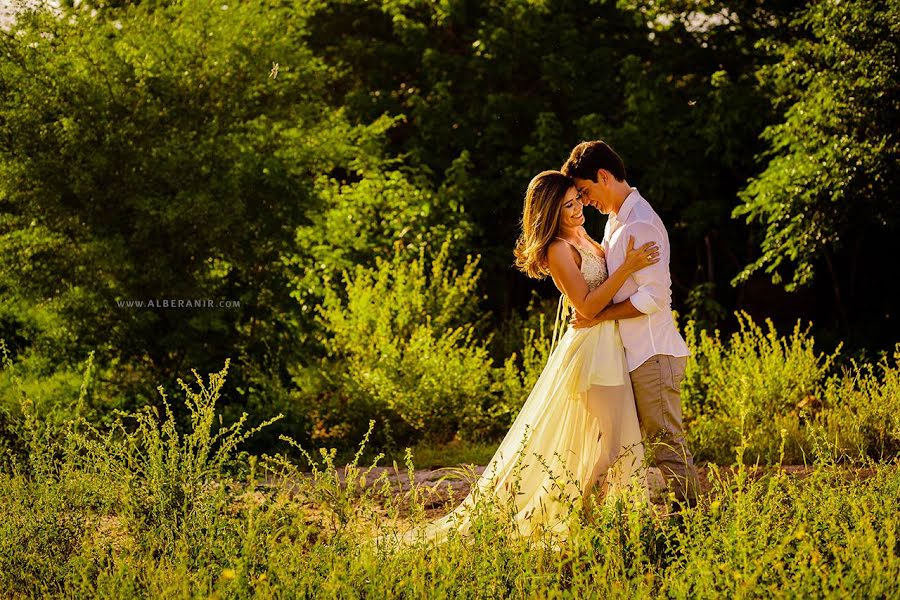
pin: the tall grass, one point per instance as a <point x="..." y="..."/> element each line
<point x="154" y="507"/>
<point x="860" y="410"/>
<point x="759" y="390"/>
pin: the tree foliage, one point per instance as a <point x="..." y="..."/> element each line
<point x="831" y="163"/>
<point x="163" y="151"/>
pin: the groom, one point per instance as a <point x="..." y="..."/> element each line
<point x="654" y="350"/>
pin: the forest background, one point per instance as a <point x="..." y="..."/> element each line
<point x="344" y="180"/>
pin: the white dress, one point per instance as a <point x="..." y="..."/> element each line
<point x="578" y="427"/>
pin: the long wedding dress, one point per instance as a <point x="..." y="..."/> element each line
<point x="578" y="427"/>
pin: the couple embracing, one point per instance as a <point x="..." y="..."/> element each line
<point x="610" y="388"/>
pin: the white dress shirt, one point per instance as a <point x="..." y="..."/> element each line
<point x="650" y="289"/>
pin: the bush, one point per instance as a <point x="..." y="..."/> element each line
<point x="861" y="412"/>
<point x="752" y="389"/>
<point x="380" y="214"/>
<point x="154" y="508"/>
<point x="146" y="484"/>
<point x="528" y="347"/>
<point x="779" y="400"/>
<point x="402" y="348"/>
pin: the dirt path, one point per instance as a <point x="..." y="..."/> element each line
<point x="439" y="486"/>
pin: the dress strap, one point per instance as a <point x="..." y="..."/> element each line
<point x="559" y="324"/>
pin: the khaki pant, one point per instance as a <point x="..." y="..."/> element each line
<point x="657" y="393"/>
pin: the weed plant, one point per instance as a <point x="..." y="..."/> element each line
<point x="150" y="507"/>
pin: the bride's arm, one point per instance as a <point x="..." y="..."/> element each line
<point x="568" y="278"/>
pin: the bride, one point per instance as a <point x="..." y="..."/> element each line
<point x="578" y="429"/>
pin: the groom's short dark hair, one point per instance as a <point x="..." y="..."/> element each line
<point x="589" y="157"/>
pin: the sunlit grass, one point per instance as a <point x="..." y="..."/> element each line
<point x="153" y="508"/>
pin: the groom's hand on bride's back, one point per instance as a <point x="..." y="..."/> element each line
<point x="579" y="321"/>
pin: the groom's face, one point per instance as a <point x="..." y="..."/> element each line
<point x="592" y="193"/>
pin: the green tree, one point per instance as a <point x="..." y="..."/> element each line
<point x="670" y="84"/>
<point x="831" y="166"/>
<point x="160" y="152"/>
<point x="503" y="82"/>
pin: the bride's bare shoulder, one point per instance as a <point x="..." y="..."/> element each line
<point x="555" y="245"/>
<point x="560" y="249"/>
<point x="562" y="257"/>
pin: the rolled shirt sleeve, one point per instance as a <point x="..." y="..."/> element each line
<point x="654" y="281"/>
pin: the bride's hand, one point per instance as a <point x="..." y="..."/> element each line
<point x="638" y="258"/>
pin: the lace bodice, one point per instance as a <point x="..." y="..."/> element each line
<point x="593" y="267"/>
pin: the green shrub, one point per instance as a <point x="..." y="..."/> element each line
<point x="165" y="474"/>
<point x="376" y="216"/>
<point x="520" y="370"/>
<point x="779" y="400"/>
<point x="41" y="531"/>
<point x="751" y="388"/>
<point x="402" y="347"/>
<point x="146" y="484"/>
<point x="861" y="412"/>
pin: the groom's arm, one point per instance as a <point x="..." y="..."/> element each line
<point x="653" y="282"/>
<point x="621" y="310"/>
<point x="614" y="312"/>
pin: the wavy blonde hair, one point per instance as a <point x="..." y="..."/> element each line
<point x="540" y="221"/>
